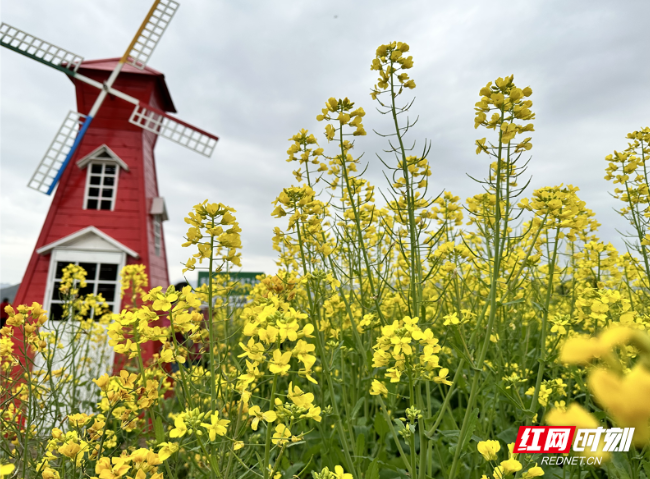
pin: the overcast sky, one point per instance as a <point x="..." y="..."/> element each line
<point x="255" y="72"/>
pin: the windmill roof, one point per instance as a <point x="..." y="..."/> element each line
<point x="108" y="64"/>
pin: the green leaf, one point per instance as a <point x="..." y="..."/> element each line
<point x="451" y="434"/>
<point x="646" y="468"/>
<point x="508" y="435"/>
<point x="516" y="301"/>
<point x="470" y="429"/>
<point x="461" y="352"/>
<point x="620" y="464"/>
<point x="381" y="426"/>
<point x="506" y="393"/>
<point x="473" y="420"/>
<point x="357" y="406"/>
<point x="360" y="446"/>
<point x="373" y="469"/>
<point x="293" y="469"/>
<point x="159" y="430"/>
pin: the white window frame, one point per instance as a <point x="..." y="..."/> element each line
<point x="84" y="256"/>
<point x="89" y="173"/>
<point x="157" y="234"/>
<point x="102" y="359"/>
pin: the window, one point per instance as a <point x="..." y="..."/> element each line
<point x="157" y="234"/>
<point x="101" y="278"/>
<point x="101" y="186"/>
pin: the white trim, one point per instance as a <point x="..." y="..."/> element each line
<point x="78" y="234"/>
<point x="94" y="156"/>
<point x="49" y="285"/>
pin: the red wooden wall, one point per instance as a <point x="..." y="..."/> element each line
<point x="130" y="223"/>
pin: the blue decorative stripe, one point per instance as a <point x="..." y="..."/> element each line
<point x="77" y="140"/>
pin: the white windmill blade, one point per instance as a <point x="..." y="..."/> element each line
<point x="153" y="120"/>
<point x="47" y="173"/>
<point x="39" y="50"/>
<point x="150" y="32"/>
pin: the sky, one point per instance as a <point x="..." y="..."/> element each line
<point x="256" y="72"/>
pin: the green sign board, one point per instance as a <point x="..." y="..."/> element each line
<point x="243" y="278"/>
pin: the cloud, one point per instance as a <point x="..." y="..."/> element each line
<point x="255" y="72"/>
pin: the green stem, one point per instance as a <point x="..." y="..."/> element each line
<point x="492" y="300"/>
<point x="267" y="444"/>
<point x="541" y="356"/>
<point x="315" y="312"/>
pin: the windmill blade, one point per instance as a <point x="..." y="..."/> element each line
<point x="39" y="50"/>
<point x="158" y="122"/>
<point x="58" y="155"/>
<point x="150" y="32"/>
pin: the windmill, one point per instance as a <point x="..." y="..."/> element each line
<point x="106" y="211"/>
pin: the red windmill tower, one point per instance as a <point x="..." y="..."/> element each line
<point x="107" y="211"/>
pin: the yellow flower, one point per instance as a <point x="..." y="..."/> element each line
<point x="166" y="450"/>
<point x="105" y="471"/>
<point x="48" y="473"/>
<point x="79" y="420"/>
<point x="576" y="415"/>
<point x="6" y="469"/>
<point x="489" y="449"/>
<point x="341" y="474"/>
<point x="507" y="467"/>
<point x="278" y="212"/>
<point x="180" y="428"/>
<point x="378" y="388"/>
<point x="280" y="363"/>
<point x="164" y="302"/>
<point x="299" y="398"/>
<point x="533" y="472"/>
<point x="442" y="377"/>
<point x="102" y="382"/>
<point x="580" y="350"/>
<point x="313" y="413"/>
<point x="281" y="435"/>
<point x="217" y="426"/>
<point x="257" y="415"/>
<point x="70" y="449"/>
<point x="329" y="132"/>
<point x="625" y="398"/>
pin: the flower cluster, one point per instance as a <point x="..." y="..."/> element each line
<point x="215" y="233"/>
<point x="390" y="60"/>
<point x="345" y="116"/>
<point x="407" y="349"/>
<point x="133" y="280"/>
<point x="506" y="102"/>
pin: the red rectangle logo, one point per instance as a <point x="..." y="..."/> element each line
<point x="544" y="439"/>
